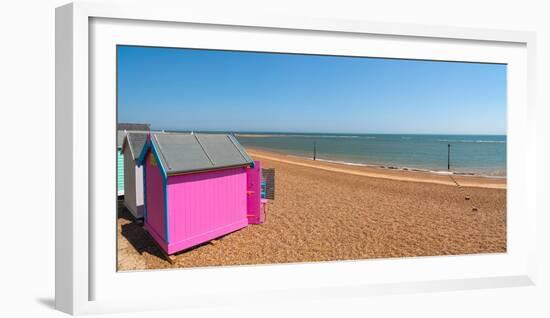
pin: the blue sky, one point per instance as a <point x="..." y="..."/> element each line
<point x="184" y="89"/>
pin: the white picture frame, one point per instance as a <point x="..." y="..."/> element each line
<point x="86" y="281"/>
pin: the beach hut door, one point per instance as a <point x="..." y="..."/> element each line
<point x="253" y="194"/>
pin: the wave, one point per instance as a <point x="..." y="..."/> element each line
<point x="477" y="141"/>
<point x="325" y="136"/>
<point x="303" y="136"/>
<point x="346" y="163"/>
<point x="405" y="168"/>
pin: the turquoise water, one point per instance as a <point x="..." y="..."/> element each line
<point x="475" y="154"/>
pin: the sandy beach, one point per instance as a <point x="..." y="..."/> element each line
<point x="327" y="211"/>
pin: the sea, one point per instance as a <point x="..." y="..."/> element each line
<point x="467" y="154"/>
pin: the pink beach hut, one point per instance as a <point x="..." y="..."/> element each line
<point x="197" y="187"/>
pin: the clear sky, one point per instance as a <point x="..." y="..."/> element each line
<point x="184" y="89"/>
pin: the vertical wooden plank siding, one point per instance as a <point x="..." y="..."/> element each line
<point x="203" y="206"/>
<point x="129" y="182"/>
<point x="120" y="172"/>
<point x="155" y="199"/>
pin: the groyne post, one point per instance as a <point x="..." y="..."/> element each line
<point x="448" y="157"/>
<point x="314" y="150"/>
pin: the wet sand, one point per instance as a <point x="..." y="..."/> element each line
<point x="326" y="211"/>
<point x="390" y="173"/>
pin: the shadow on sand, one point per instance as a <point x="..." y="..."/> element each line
<point x="144" y="243"/>
<point x="137" y="236"/>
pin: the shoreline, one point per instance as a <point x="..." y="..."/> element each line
<point x="383" y="172"/>
<point x="389" y="167"/>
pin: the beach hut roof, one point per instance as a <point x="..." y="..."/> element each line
<point x="135" y="140"/>
<point x="123" y="128"/>
<point x="120" y="135"/>
<point x="184" y="153"/>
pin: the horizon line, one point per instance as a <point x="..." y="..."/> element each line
<point x="326" y="133"/>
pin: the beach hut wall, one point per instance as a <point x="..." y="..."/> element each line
<point x="120" y="162"/>
<point x="133" y="174"/>
<point x="120" y="172"/>
<point x="195" y="188"/>
<point x="122" y="130"/>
